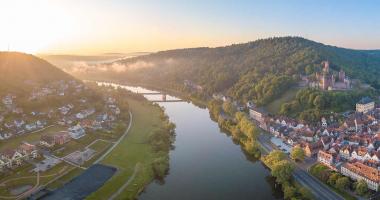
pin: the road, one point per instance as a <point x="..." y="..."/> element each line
<point x="118" y="141"/>
<point x="319" y="190"/>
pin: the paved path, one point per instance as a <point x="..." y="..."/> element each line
<point x="118" y="141"/>
<point x="122" y="188"/>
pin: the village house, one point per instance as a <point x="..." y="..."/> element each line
<point x="62" y="138"/>
<point x="4" y="136"/>
<point x="345" y="152"/>
<point x="59" y="138"/>
<point x="326" y="158"/>
<point x="102" y="117"/>
<point x="86" y="123"/>
<point x="12" y="157"/>
<point x="66" y="109"/>
<point x="47" y="141"/>
<point x="311" y="149"/>
<point x="85" y="113"/>
<point x="96" y="125"/>
<point x="8" y="100"/>
<point x="76" y="131"/>
<point x="3" y="164"/>
<point x="19" y="123"/>
<point x="28" y="150"/>
<point x="360" y="171"/>
<point x="306" y="134"/>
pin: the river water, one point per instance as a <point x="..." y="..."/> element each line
<point x="205" y="163"/>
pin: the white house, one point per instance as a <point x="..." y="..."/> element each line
<point x="76" y="131"/>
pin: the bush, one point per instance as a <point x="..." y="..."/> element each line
<point x="342" y="183"/>
<point x="361" y="187"/>
<point x="289" y="191"/>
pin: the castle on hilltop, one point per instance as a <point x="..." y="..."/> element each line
<point x="326" y="80"/>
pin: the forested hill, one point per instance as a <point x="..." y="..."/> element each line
<point x="258" y="70"/>
<point x="20" y="72"/>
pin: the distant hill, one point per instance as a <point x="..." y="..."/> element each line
<point x="68" y="62"/>
<point x="259" y="70"/>
<point x="20" y="72"/>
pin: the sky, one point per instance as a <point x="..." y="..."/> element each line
<point x="124" y="26"/>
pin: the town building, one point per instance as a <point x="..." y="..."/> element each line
<point x="325" y="158"/>
<point x="365" y="105"/>
<point x="311" y="148"/>
<point x="359" y="171"/>
<point x="257" y="114"/>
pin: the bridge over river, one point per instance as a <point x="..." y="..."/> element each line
<point x="162" y="99"/>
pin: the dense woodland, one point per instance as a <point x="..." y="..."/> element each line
<point x="311" y="104"/>
<point x="261" y="70"/>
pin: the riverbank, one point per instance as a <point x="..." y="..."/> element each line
<point x="134" y="150"/>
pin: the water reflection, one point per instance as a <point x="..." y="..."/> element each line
<point x="207" y="163"/>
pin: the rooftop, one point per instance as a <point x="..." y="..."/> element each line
<point x="365" y="100"/>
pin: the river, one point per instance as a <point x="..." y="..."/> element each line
<point x="205" y="163"/>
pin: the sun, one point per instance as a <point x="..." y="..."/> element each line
<point x="32" y="26"/>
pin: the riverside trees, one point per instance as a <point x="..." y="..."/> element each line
<point x="297" y="154"/>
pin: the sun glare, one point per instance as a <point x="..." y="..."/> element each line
<point x="32" y="26"/>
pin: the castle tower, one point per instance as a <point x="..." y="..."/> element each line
<point x="342" y="75"/>
<point x="325" y="82"/>
<point x="326" y="67"/>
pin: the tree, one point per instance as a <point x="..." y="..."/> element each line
<point x="289" y="191"/>
<point x="305" y="193"/>
<point x="282" y="171"/>
<point x="274" y="157"/>
<point x="160" y="166"/>
<point x="228" y="107"/>
<point x="342" y="183"/>
<point x="252" y="148"/>
<point x="297" y="154"/>
<point x="333" y="178"/>
<point x="361" y="187"/>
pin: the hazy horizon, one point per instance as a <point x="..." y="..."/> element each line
<point x="97" y="27"/>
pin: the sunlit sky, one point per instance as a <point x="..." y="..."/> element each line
<point x="103" y="26"/>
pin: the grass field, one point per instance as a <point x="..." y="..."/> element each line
<point x="275" y="106"/>
<point x="133" y="150"/>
